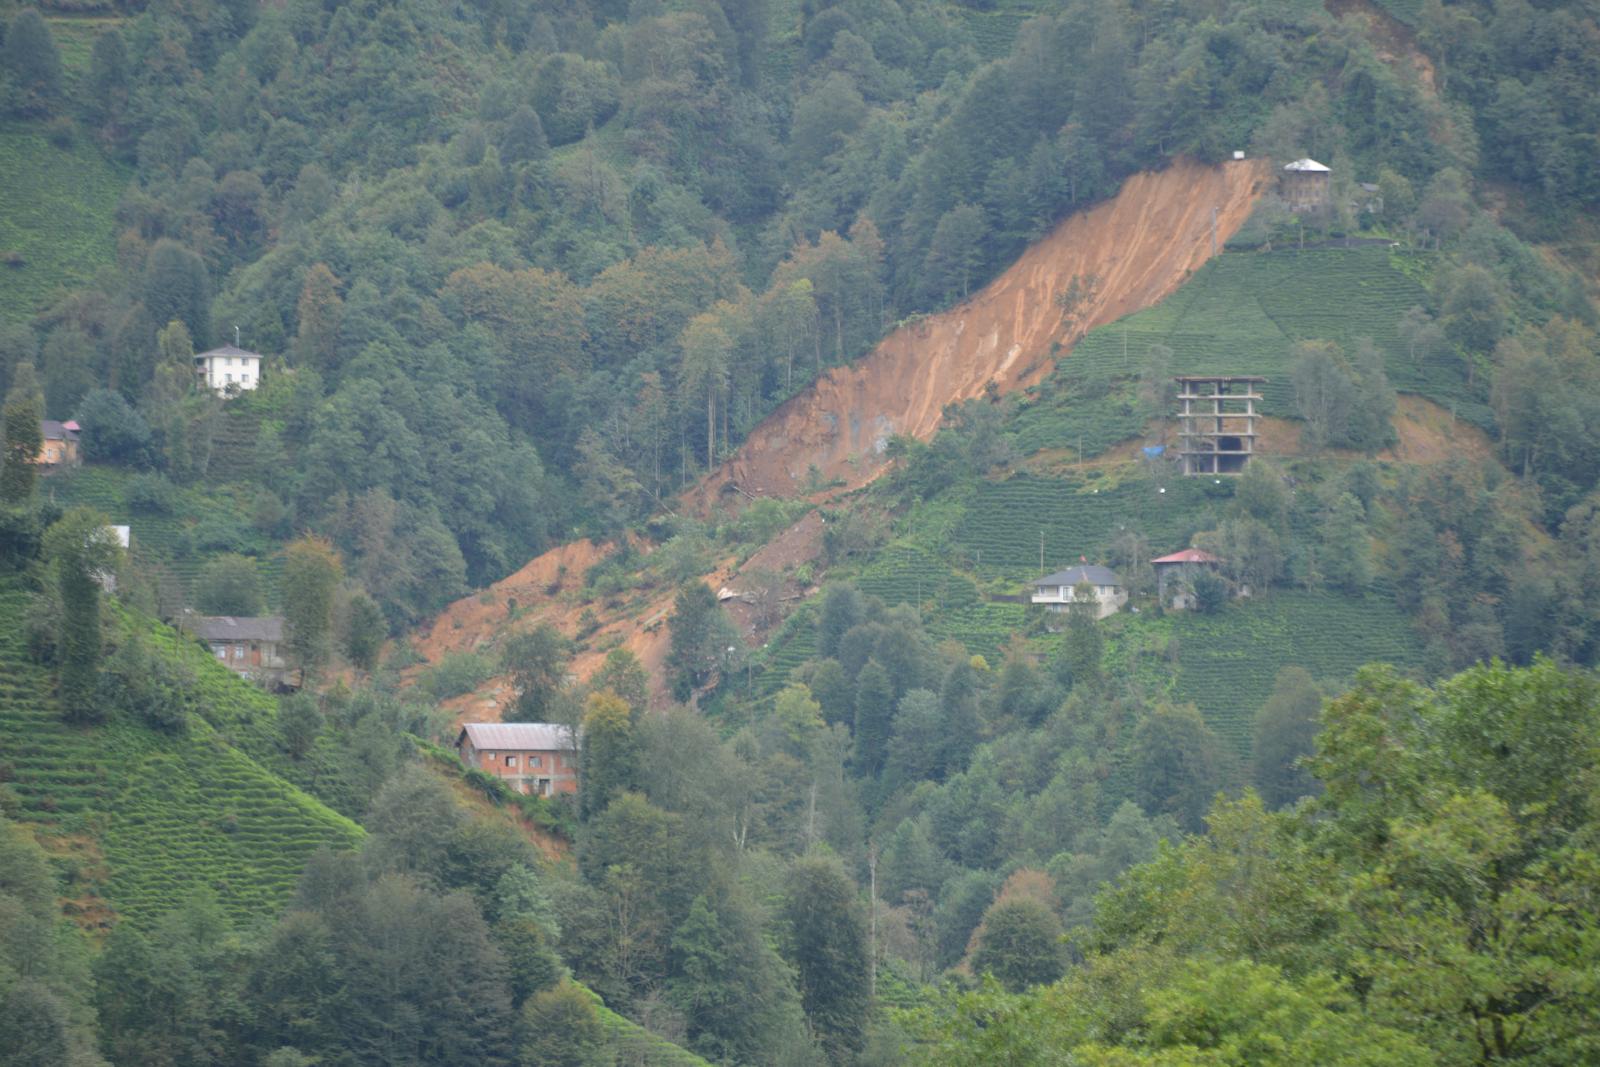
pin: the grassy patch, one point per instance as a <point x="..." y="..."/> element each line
<point x="57" y="215"/>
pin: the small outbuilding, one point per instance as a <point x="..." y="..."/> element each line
<point x="1059" y="591"/>
<point x="1175" y="574"/>
<point x="1304" y="184"/>
<point x="535" y="758"/>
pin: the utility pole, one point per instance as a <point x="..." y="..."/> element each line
<point x="1041" y="553"/>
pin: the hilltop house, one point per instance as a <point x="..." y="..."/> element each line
<point x="228" y="370"/>
<point x="1176" y="573"/>
<point x="60" y="444"/>
<point x="1304" y="184"/>
<point x="537" y="758"/>
<point x="1059" y="591"/>
<point x="251" y="646"/>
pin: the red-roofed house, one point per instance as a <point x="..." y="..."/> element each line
<point x="540" y="758"/>
<point x="1178" y="571"/>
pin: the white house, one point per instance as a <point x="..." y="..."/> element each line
<point x="228" y="369"/>
<point x="1058" y="591"/>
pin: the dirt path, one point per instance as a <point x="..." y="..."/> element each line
<point x="1137" y="249"/>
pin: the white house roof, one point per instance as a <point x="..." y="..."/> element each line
<point x="228" y="352"/>
<point x="1307" y="165"/>
<point x="1092" y="573"/>
<point x="517" y="736"/>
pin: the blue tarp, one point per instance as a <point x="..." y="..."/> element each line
<point x="1154" y="450"/>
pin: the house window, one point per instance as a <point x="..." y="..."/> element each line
<point x="511" y="761"/>
<point x="536" y="761"/>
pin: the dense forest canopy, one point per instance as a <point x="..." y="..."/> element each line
<point x="522" y="272"/>
<point x="539" y="266"/>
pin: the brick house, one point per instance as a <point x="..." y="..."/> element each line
<point x="537" y="758"/>
<point x="59" y="447"/>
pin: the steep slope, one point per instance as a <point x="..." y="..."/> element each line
<point x="143" y="817"/>
<point x="1125" y="254"/>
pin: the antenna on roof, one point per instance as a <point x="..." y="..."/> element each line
<point x="236" y="343"/>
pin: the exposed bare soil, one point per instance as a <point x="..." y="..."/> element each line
<point x="1134" y="249"/>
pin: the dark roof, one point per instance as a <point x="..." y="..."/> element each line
<point x="229" y="628"/>
<point x="1092" y="573"/>
<point x="228" y="350"/>
<point x="1219" y="378"/>
<point x="52" y="430"/>
<point x="517" y="736"/>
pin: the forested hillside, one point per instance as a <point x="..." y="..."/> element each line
<point x="713" y="378"/>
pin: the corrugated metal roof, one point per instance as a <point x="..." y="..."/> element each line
<point x="518" y="736"/>
<point x="1189" y="555"/>
<point x="51" y="430"/>
<point x="245" y="628"/>
<point x="1092" y="573"/>
<point x="1308" y="166"/>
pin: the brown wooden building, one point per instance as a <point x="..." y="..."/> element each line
<point x="537" y="758"/>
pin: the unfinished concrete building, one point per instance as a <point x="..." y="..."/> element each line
<point x="1217" y="420"/>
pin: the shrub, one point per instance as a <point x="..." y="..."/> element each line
<point x="151" y="494"/>
<point x="457" y="673"/>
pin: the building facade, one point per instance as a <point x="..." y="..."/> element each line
<point x="1304" y="184"/>
<point x="534" y="758"/>
<point x="228" y="370"/>
<point x="1059" y="591"/>
<point x="59" y="445"/>
<point x="251" y="646"/>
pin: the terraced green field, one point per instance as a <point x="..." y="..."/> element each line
<point x="167" y="813"/>
<point x="1243" y="312"/>
<point x="1225" y="664"/>
<point x="57" y="215"/>
<point x="203" y="524"/>
<point x="998" y="531"/>
<point x="75" y="35"/>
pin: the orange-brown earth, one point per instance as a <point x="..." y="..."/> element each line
<point x="1129" y="253"/>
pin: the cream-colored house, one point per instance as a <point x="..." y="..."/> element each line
<point x="1059" y="591"/>
<point x="228" y="370"/>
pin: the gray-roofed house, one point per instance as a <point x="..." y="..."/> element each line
<point x="228" y="370"/>
<point x="58" y="446"/>
<point x="1058" y="591"/>
<point x="248" y="645"/>
<point x="537" y="758"/>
